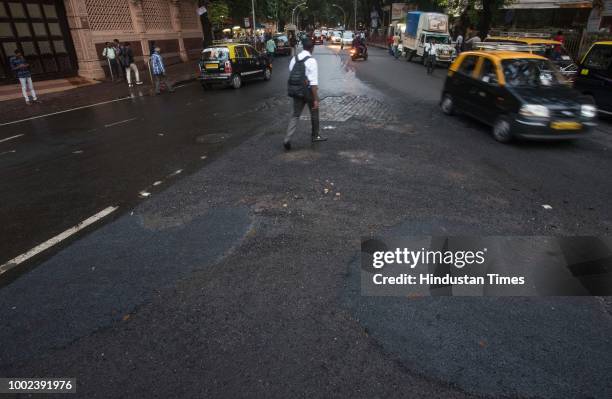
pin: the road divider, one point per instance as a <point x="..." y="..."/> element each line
<point x="56" y="240"/>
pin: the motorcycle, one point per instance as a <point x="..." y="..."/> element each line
<point x="357" y="53"/>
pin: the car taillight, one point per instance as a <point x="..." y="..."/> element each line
<point x="228" y="67"/>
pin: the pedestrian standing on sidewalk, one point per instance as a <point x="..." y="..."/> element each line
<point x="119" y="52"/>
<point x="304" y="89"/>
<point x="21" y="68"/>
<point x="127" y="59"/>
<point x="159" y="72"/>
<point x="110" y="54"/>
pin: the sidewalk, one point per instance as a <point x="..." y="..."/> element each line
<point x="57" y="96"/>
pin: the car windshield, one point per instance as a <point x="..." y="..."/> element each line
<point x="531" y="72"/>
<point x="215" y="54"/>
<point x="440" y="39"/>
<point x="347" y="35"/>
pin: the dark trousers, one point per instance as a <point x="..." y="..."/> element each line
<point x="298" y="107"/>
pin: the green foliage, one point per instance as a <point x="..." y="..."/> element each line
<point x="218" y="12"/>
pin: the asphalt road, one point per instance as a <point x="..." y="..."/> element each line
<point x="238" y="276"/>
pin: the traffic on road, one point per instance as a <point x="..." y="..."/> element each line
<point x="215" y="238"/>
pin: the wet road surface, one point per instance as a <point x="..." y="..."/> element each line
<point x="236" y="276"/>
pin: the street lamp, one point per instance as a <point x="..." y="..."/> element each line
<point x="343" y="12"/>
<point x="293" y="11"/>
<point x="297" y="15"/>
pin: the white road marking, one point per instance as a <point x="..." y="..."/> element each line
<point x="157" y="183"/>
<point x="203" y="157"/>
<point x="64" y="111"/>
<point x="77" y="152"/>
<point x="120" y="122"/>
<point x="176" y="172"/>
<point x="8" y="152"/>
<point x="144" y="194"/>
<point x="56" y="240"/>
<point x="10" y="138"/>
<point x="547" y="207"/>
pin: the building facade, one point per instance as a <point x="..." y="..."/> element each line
<point x="63" y="38"/>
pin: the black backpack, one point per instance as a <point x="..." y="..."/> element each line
<point x="299" y="87"/>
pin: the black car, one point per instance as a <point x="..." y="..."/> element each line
<point x="595" y="76"/>
<point x="232" y="63"/>
<point x="520" y="95"/>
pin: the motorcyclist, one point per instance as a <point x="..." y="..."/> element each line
<point x="359" y="44"/>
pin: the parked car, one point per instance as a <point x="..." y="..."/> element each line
<point x="551" y="49"/>
<point x="282" y="44"/>
<point x="231" y="64"/>
<point x="520" y="95"/>
<point x="594" y="76"/>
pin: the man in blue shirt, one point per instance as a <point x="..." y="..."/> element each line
<point x="21" y="68"/>
<point x="159" y="71"/>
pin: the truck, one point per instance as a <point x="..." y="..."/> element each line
<point x="422" y="27"/>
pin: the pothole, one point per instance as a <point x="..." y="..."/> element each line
<point x="342" y="108"/>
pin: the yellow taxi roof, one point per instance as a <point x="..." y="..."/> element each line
<point x="527" y="40"/>
<point x="505" y="55"/>
<point x="605" y="43"/>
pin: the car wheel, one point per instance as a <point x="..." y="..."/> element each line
<point x="502" y="131"/>
<point x="447" y="104"/>
<point x="236" y="81"/>
<point x="267" y="74"/>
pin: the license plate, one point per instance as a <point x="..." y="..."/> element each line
<point x="565" y="125"/>
<point x="212" y="66"/>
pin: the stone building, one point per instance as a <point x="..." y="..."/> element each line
<point x="62" y="38"/>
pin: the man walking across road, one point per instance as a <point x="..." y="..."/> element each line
<point x="304" y="88"/>
<point x="127" y="59"/>
<point x="21" y="68"/>
<point x="270" y="47"/>
<point x="159" y="72"/>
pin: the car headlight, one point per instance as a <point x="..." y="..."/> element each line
<point x="588" y="111"/>
<point x="535" y="110"/>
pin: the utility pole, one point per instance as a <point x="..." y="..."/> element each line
<point x="355" y="30"/>
<point x="253" y="6"/>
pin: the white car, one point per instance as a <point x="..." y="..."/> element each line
<point x="336" y="37"/>
<point x="347" y="37"/>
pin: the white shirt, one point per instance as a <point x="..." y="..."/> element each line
<point x="312" y="69"/>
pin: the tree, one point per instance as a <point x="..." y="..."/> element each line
<point x="218" y="12"/>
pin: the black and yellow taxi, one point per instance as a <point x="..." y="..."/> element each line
<point x="520" y="95"/>
<point x="232" y="63"/>
<point x="551" y="49"/>
<point x="595" y="76"/>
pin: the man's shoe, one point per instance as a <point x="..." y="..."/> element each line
<point x="130" y="85"/>
<point x="139" y="83"/>
<point x="318" y="138"/>
<point x="287" y="145"/>
<point x="28" y="102"/>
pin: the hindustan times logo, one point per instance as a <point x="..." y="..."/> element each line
<point x="411" y="258"/>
